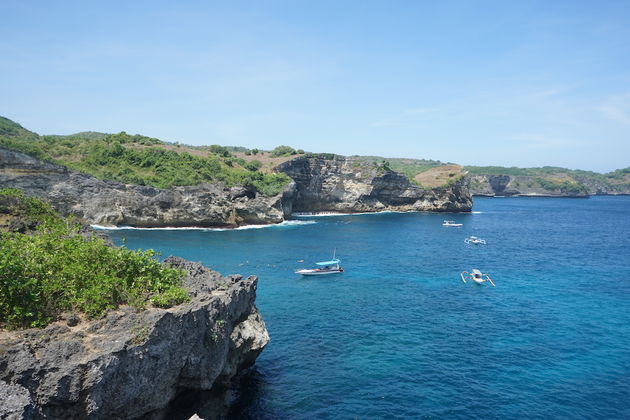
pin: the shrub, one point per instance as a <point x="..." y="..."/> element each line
<point x="253" y="165"/>
<point x="271" y="184"/>
<point x="56" y="270"/>
<point x="282" y="151"/>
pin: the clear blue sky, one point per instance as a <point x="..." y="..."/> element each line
<point x="525" y="83"/>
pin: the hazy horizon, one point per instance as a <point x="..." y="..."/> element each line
<point x="485" y="83"/>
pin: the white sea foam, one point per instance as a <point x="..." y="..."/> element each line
<point x="333" y="213"/>
<point x="476" y="212"/>
<point x="286" y="223"/>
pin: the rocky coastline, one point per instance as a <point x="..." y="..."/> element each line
<point x="320" y="184"/>
<point x="134" y="364"/>
<point x="112" y="203"/>
<point x="346" y="185"/>
<point x="530" y="186"/>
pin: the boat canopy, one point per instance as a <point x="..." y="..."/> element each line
<point x="331" y="262"/>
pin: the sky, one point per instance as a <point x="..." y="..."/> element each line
<point x="528" y="83"/>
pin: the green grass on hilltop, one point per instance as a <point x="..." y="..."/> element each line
<point x="56" y="269"/>
<point x="141" y="160"/>
<point x="406" y="166"/>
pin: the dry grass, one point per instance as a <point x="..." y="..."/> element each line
<point x="438" y="176"/>
<point x="269" y="162"/>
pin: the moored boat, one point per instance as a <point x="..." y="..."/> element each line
<point x="475" y="241"/>
<point x="451" y="223"/>
<point x="324" y="267"/>
<point x="476" y="276"/>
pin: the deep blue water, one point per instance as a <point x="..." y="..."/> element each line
<point x="399" y="335"/>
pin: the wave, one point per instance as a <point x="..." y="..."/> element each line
<point x="286" y="223"/>
<point x="336" y="214"/>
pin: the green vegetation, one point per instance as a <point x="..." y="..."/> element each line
<point x="136" y="159"/>
<point x="546" y="171"/>
<point x="408" y="167"/>
<point x="283" y="151"/>
<point x="27" y="207"/>
<point x="569" y="181"/>
<point x="253" y="165"/>
<point x="56" y="269"/>
<point x="323" y="156"/>
<point x="565" y="186"/>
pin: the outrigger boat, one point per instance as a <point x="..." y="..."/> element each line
<point x="476" y="276"/>
<point x="451" y="223"/>
<point x="325" y="267"/>
<point x="475" y="241"/>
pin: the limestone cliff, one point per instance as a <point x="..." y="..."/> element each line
<point x="132" y="364"/>
<point x="113" y="203"/>
<point x="337" y="183"/>
<point x="525" y="186"/>
<point x="320" y="184"/>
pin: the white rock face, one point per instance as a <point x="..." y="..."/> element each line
<point x="347" y="185"/>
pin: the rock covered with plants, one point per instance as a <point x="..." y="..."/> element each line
<point x="122" y="334"/>
<point x="48" y="266"/>
<point x="113" y="203"/>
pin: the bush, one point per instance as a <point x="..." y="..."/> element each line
<point x="171" y="297"/>
<point x="254" y="165"/>
<point x="56" y="270"/>
<point x="564" y="186"/>
<point x="282" y="151"/>
<point x="271" y="184"/>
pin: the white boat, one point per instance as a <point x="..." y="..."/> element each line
<point x="475" y="241"/>
<point x="325" y="267"/>
<point x="476" y="276"/>
<point x="451" y="223"/>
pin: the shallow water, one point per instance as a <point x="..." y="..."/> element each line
<point x="399" y="335"/>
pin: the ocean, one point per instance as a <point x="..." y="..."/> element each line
<point x="399" y="335"/>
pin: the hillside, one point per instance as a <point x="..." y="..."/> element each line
<point x="137" y="159"/>
<point x="142" y="160"/>
<point x="497" y="180"/>
<point x="409" y="167"/>
<point x="548" y="180"/>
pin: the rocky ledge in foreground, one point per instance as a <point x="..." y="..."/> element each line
<point x="133" y="364"/>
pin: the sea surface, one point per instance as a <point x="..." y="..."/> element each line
<point x="399" y="335"/>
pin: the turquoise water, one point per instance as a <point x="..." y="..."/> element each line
<point x="399" y="335"/>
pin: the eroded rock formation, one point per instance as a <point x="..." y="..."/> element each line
<point x="320" y="184"/>
<point x="348" y="185"/>
<point x="522" y="186"/>
<point x="114" y="203"/>
<point x="132" y="364"/>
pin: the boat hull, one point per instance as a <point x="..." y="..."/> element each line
<point x="318" y="273"/>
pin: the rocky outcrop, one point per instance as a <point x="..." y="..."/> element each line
<point x="524" y="186"/>
<point x="133" y="364"/>
<point x="113" y="203"/>
<point x="341" y="184"/>
<point x="320" y="184"/>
